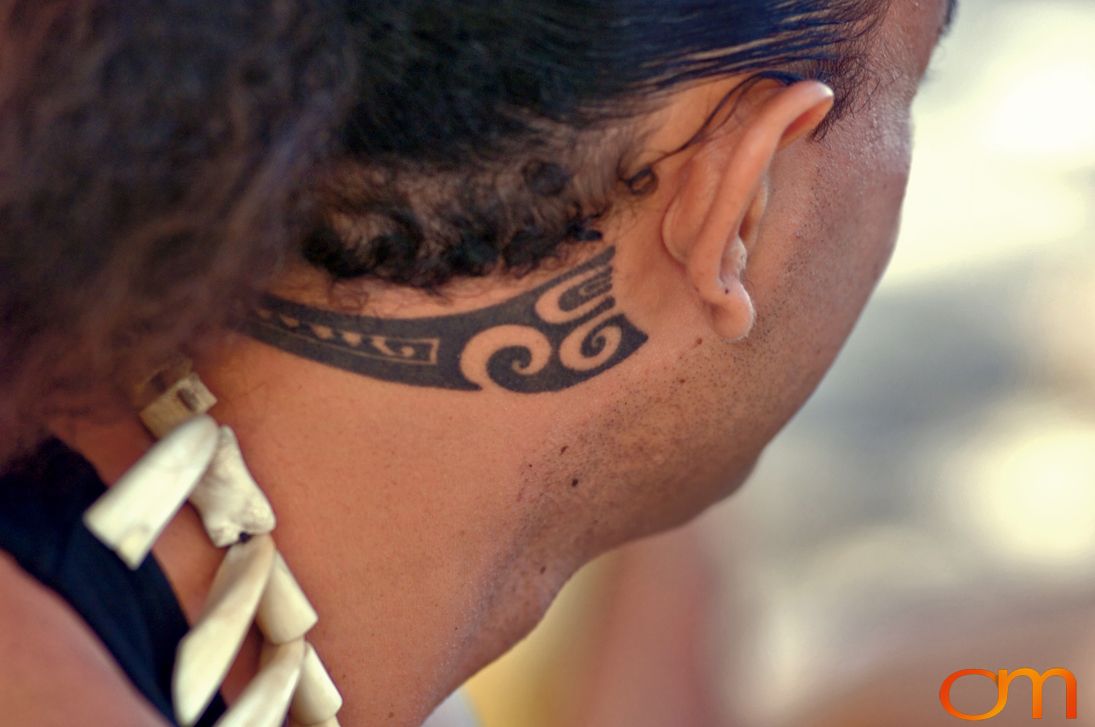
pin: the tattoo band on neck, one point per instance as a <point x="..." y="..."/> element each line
<point x="557" y="335"/>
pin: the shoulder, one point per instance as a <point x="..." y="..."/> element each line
<point x="53" y="669"/>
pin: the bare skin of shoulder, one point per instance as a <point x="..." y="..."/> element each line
<point x="54" y="671"/>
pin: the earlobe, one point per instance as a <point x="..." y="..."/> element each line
<point x="711" y="224"/>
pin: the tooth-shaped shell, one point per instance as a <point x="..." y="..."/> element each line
<point x="206" y="653"/>
<point x="332" y="722"/>
<point x="265" y="701"/>
<point x="228" y="499"/>
<point x="317" y="699"/>
<point x="133" y="513"/>
<point x="285" y="613"/>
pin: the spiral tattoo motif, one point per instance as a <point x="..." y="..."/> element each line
<point x="555" y="336"/>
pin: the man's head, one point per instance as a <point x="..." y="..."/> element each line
<point x="687" y="279"/>
<point x="633" y="236"/>
<point x="637" y="233"/>
<point x="483" y="441"/>
<point x="159" y="163"/>
<point x="693" y="228"/>
<point x="467" y="143"/>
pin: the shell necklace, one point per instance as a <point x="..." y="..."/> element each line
<point x="197" y="460"/>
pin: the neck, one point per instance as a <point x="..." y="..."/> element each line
<point x="432" y="524"/>
<point x="420" y="559"/>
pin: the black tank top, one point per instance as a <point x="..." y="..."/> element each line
<point x="134" y="613"/>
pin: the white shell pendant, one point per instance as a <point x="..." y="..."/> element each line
<point x="317" y="699"/>
<point x="207" y="651"/>
<point x="131" y="515"/>
<point x="266" y="699"/>
<point x="332" y="722"/>
<point x="228" y="498"/>
<point x="285" y="613"/>
<point x="199" y="460"/>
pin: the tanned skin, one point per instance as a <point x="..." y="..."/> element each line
<point x="432" y="517"/>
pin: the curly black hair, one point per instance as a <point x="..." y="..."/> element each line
<point x="152" y="154"/>
<point x="484" y="136"/>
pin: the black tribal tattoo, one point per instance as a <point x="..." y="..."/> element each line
<point x="555" y="336"/>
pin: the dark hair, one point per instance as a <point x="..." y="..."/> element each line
<point x="159" y="157"/>
<point x="150" y="153"/>
<point x="487" y="134"/>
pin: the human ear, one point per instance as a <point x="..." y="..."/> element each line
<point x="713" y="217"/>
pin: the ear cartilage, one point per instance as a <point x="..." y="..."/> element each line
<point x="131" y="515"/>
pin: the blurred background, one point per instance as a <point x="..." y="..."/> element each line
<point x="933" y="507"/>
